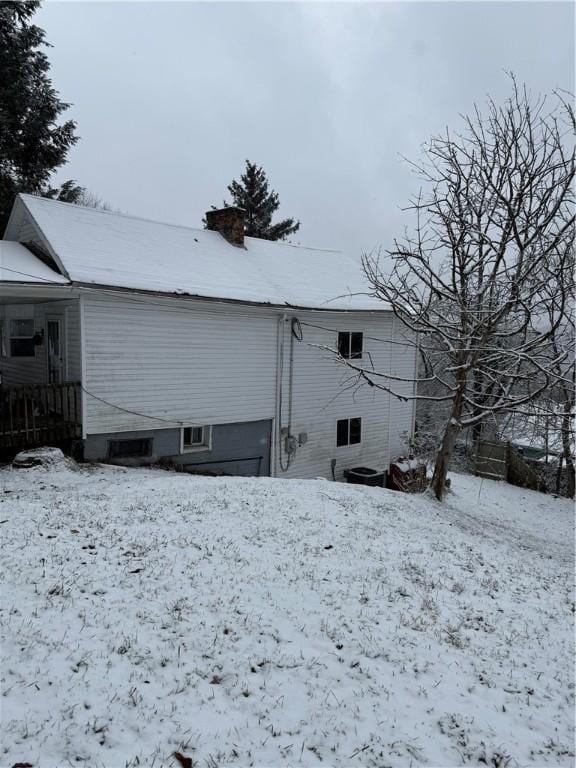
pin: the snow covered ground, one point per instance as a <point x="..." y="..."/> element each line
<point x="268" y="622"/>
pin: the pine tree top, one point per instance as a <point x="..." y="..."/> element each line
<point x="253" y="195"/>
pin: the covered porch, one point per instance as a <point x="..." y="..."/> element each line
<point x="40" y="357"/>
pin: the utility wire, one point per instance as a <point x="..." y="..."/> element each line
<point x="27" y="274"/>
<point x="411" y="345"/>
<point x="137" y="413"/>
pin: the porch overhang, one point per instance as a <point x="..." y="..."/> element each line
<point x="30" y="293"/>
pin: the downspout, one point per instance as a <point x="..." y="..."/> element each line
<point x="276" y="431"/>
<point x="83" y="382"/>
<point x="285" y="441"/>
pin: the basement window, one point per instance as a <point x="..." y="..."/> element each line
<point x="348" y="432"/>
<point x="350" y="345"/>
<point x="125" y="449"/>
<point x="22" y="338"/>
<point x="195" y="439"/>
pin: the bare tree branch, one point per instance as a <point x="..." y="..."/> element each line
<point x="484" y="280"/>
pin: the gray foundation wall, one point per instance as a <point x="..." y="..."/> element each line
<point x="236" y="449"/>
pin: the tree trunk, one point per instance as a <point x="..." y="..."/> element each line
<point x="476" y="388"/>
<point x="559" y="474"/>
<point x="448" y="441"/>
<point x="567" y="448"/>
<point x="443" y="458"/>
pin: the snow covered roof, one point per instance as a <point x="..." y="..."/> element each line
<point x="105" y="248"/>
<point x="19" y="265"/>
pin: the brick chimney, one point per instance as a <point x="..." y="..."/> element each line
<point x="229" y="222"/>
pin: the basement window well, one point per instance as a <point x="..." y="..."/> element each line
<point x="350" y="345"/>
<point x="126" y="449"/>
<point x="348" y="432"/>
<point x="195" y="439"/>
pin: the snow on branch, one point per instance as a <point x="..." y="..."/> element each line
<point x="484" y="279"/>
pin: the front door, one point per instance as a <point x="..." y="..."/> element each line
<point x="55" y="350"/>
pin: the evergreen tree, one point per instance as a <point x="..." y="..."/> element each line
<point x="253" y="195"/>
<point x="32" y="143"/>
<point x="72" y="192"/>
<point x="69" y="192"/>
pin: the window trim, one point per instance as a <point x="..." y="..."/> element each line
<point x="350" y="356"/>
<point x="349" y="444"/>
<point x="11" y="336"/>
<point x="206" y="444"/>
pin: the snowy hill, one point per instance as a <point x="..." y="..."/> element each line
<point x="267" y="622"/>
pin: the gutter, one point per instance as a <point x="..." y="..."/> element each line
<point x="113" y="289"/>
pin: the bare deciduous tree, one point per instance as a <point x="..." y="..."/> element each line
<point x="549" y="420"/>
<point x="476" y="280"/>
<point x="562" y="394"/>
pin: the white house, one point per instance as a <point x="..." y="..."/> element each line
<point x="144" y="341"/>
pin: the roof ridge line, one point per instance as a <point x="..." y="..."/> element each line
<point x="132" y="216"/>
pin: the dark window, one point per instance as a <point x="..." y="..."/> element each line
<point x="355" y="431"/>
<point x="350" y="345"/>
<point x="344" y="345"/>
<point x="342" y="432"/>
<point x="22" y="338"/>
<point x="348" y="432"/>
<point x="21" y="347"/>
<point x="119" y="449"/>
<point x="193" y="435"/>
<point x="356" y="345"/>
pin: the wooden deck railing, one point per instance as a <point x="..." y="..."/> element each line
<point x="39" y="414"/>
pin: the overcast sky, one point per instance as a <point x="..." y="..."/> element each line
<point x="170" y="98"/>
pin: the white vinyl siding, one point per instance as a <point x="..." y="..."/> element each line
<point x="325" y="391"/>
<point x="181" y="362"/>
<point x="191" y="362"/>
<point x="402" y="412"/>
<point x="194" y="362"/>
<point x="73" y="369"/>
